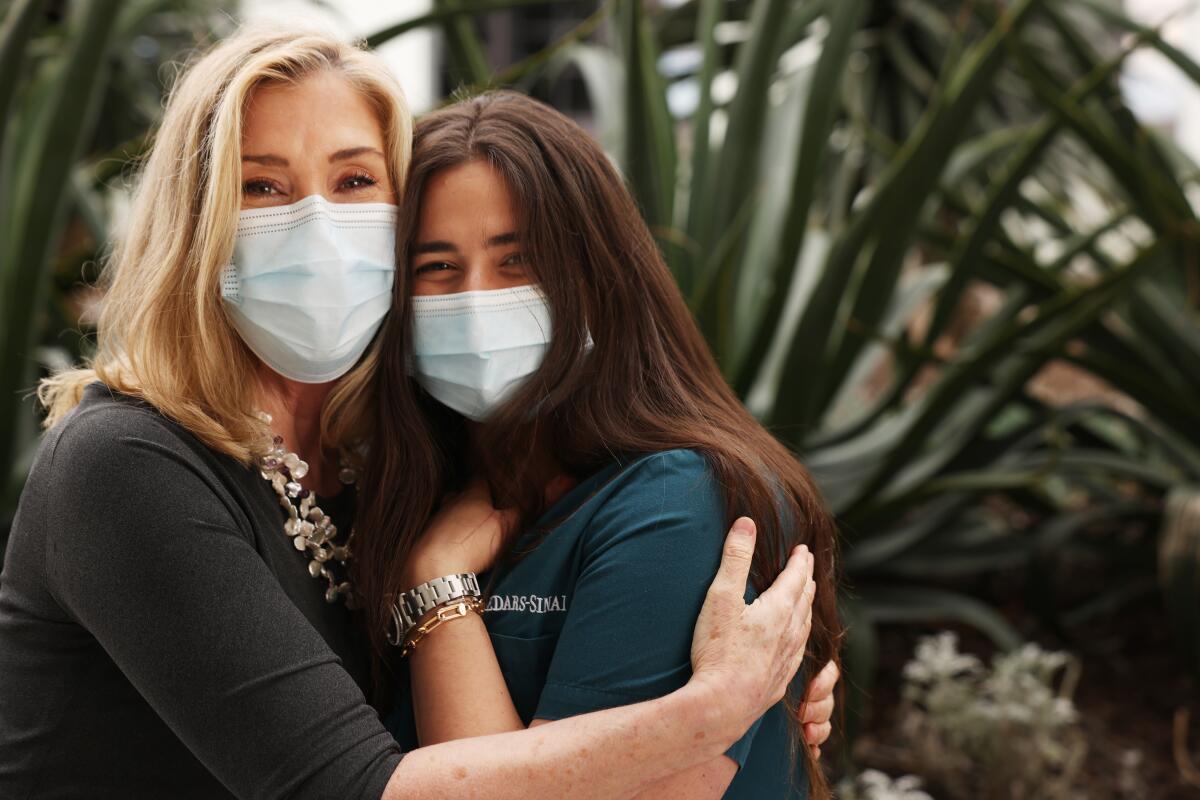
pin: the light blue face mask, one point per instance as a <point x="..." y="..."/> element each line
<point x="472" y="350"/>
<point x="310" y="284"/>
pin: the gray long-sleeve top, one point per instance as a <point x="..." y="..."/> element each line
<point x="161" y="637"/>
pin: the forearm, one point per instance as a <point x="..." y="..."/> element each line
<point x="458" y="690"/>
<point x="705" y="782"/>
<point x="607" y="754"/>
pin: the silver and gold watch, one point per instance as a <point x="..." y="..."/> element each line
<point x="410" y="606"/>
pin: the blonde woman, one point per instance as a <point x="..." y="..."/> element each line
<point x="173" y="609"/>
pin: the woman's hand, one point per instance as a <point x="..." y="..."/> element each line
<point x="468" y="533"/>
<point x="744" y="656"/>
<point x="817" y="708"/>
<point x="464" y="536"/>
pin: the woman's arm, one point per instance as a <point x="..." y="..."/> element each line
<point x="743" y="658"/>
<point x="145" y="556"/>
<point x="458" y="690"/>
<point x="709" y="780"/>
<point x="605" y="755"/>
<point x="147" y="560"/>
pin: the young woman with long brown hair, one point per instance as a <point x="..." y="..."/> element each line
<point x="539" y="340"/>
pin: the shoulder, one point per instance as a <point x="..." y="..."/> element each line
<point x="660" y="497"/>
<point x="685" y="470"/>
<point x="107" y="427"/>
<point x="115" y="454"/>
<point x="116" y="480"/>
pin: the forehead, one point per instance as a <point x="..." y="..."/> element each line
<point x="322" y="107"/>
<point x="469" y="196"/>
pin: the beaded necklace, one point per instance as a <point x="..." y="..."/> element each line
<point x="310" y="529"/>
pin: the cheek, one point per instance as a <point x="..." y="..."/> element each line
<point x="509" y="279"/>
<point x="420" y="288"/>
<point x="386" y="186"/>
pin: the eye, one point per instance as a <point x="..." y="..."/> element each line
<point x="359" y="180"/>
<point x="260" y="187"/>
<point x="432" y="267"/>
<point x="513" y="260"/>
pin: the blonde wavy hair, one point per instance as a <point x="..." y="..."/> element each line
<point x="163" y="335"/>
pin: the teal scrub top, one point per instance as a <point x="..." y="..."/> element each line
<point x="598" y="608"/>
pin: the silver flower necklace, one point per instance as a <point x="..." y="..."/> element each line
<point x="310" y="529"/>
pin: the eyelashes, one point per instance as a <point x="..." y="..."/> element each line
<point x="361" y="180"/>
<point x="515" y="261"/>
<point x="436" y="266"/>
<point x="264" y="187"/>
<point x="260" y="188"/>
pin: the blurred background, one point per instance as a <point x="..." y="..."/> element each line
<point x="947" y="250"/>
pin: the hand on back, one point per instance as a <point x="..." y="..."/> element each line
<point x="746" y="655"/>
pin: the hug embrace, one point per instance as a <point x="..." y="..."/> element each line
<point x="401" y="470"/>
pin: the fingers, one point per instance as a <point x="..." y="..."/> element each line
<point x="801" y="627"/>
<point x="806" y="625"/>
<point x="817" y="712"/>
<point x="476" y="500"/>
<point x="822" y="685"/>
<point x="735" y="560"/>
<point x="815" y="734"/>
<point x="788" y="588"/>
<point x="800" y="607"/>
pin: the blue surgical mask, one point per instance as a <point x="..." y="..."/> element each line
<point x="472" y="350"/>
<point x="310" y="284"/>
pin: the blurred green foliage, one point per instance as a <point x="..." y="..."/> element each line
<point x="894" y="221"/>
<point x="841" y="188"/>
<point x="80" y="85"/>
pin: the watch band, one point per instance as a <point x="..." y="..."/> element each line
<point x="410" y="606"/>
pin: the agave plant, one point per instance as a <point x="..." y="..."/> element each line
<point x="58" y="107"/>
<point x="875" y="165"/>
<point x="77" y="95"/>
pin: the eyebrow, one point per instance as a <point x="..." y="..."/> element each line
<point x="351" y="152"/>
<point x="439" y="246"/>
<point x="502" y="239"/>
<point x="270" y="160"/>
<point x="267" y="161"/>
<point x="434" y="247"/>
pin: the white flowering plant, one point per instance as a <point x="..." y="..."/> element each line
<point x="1010" y="731"/>
<point x="871" y="784"/>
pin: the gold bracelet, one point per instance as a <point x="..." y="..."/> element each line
<point x="436" y="617"/>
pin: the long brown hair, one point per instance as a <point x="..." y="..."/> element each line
<point x="649" y="383"/>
